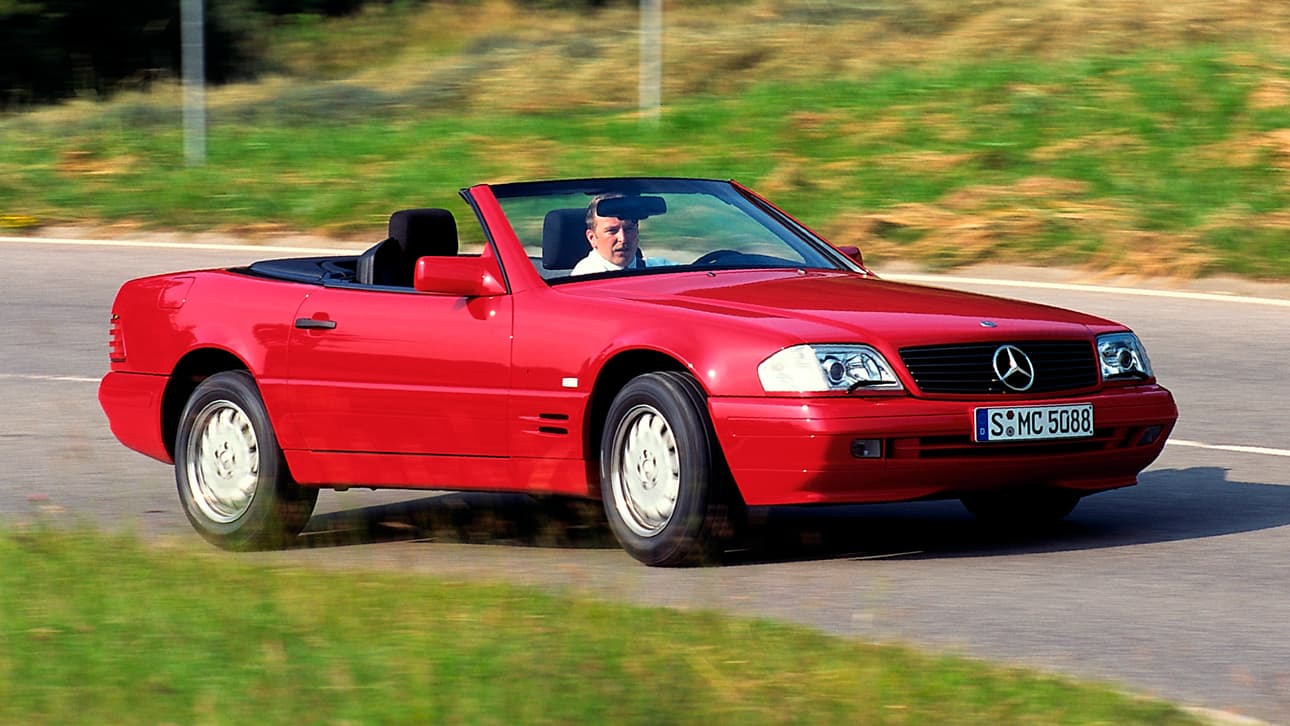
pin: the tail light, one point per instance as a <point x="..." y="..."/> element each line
<point x="116" y="340"/>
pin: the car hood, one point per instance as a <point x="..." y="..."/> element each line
<point x="823" y="306"/>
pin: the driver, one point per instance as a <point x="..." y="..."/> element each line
<point x="614" y="241"/>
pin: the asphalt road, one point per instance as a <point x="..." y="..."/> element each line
<point x="1179" y="587"/>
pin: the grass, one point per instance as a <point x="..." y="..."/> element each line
<point x="98" y="628"/>
<point x="1102" y="134"/>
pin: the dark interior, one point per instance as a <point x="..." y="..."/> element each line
<point x="413" y="233"/>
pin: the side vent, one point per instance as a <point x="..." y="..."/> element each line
<point x="548" y="429"/>
<point x="116" y="340"/>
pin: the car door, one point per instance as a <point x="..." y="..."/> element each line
<point x="375" y="370"/>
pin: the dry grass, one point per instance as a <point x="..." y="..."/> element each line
<point x="720" y="48"/>
<point x="997" y="222"/>
<point x="500" y="59"/>
<point x="500" y="55"/>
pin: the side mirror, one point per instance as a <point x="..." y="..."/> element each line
<point x="853" y="252"/>
<point x="460" y="276"/>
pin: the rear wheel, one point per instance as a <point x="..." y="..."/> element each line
<point x="231" y="476"/>
<point x="1025" y="509"/>
<point x="666" y="494"/>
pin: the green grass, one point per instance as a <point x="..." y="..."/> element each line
<point x="1171" y="158"/>
<point x="99" y="628"/>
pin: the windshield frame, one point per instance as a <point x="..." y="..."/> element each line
<point x="816" y="252"/>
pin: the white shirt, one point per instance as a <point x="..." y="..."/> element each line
<point x="594" y="262"/>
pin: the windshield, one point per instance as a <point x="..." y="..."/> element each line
<point x="604" y="227"/>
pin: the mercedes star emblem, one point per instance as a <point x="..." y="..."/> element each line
<point x="1013" y="367"/>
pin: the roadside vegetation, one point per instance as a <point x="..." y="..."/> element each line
<point x="1107" y="134"/>
<point x="99" y="628"/>
<point x="1129" y="137"/>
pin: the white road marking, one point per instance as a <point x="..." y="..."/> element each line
<point x="888" y="555"/>
<point x="338" y="250"/>
<point x="1262" y="450"/>
<point x="930" y="279"/>
<point x="1074" y="287"/>
<point x="1228" y="447"/>
<point x="31" y="377"/>
<point x="895" y="277"/>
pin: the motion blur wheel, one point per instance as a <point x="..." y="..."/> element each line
<point x="666" y="495"/>
<point x="647" y="472"/>
<point x="232" y="479"/>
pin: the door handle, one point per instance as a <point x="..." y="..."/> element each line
<point x="313" y="324"/>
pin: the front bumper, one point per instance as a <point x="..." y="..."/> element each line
<point x="799" y="450"/>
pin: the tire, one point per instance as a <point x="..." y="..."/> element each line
<point x="667" y="496"/>
<point x="232" y="478"/>
<point x="1021" y="509"/>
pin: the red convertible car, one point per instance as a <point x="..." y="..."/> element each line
<point x="679" y="348"/>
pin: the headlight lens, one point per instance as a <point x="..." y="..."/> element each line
<point x="803" y="368"/>
<point x="1122" y="356"/>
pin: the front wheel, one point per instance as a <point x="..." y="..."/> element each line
<point x="666" y="495"/>
<point x="231" y="476"/>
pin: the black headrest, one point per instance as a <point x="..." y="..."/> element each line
<point x="422" y="232"/>
<point x="564" y="238"/>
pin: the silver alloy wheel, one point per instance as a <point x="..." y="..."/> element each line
<point x="223" y="461"/>
<point x="645" y="471"/>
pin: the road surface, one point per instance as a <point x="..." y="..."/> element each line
<point x="1179" y="587"/>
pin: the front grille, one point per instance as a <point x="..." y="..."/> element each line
<point x="963" y="447"/>
<point x="1059" y="365"/>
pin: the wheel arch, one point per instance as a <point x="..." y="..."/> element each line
<point x="615" y="374"/>
<point x="710" y="509"/>
<point x="195" y="367"/>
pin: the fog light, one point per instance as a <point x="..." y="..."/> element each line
<point x="866" y="448"/>
<point x="1149" y="436"/>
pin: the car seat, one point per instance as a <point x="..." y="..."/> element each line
<point x="414" y="233"/>
<point x="564" y="238"/>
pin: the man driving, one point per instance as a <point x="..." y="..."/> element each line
<point x="615" y="245"/>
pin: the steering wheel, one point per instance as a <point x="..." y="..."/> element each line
<point x="715" y="257"/>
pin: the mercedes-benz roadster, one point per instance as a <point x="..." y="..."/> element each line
<point x="679" y="348"/>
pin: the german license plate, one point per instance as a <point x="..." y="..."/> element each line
<point x="1033" y="423"/>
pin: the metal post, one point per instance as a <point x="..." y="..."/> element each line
<point x="192" y="36"/>
<point x="651" y="62"/>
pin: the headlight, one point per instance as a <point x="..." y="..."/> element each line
<point x="827" y="368"/>
<point x="1122" y="356"/>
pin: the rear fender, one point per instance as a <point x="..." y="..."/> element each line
<point x="192" y="369"/>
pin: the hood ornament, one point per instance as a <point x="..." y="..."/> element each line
<point x="989" y="324"/>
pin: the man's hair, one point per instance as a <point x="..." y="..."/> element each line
<point x="593" y="208"/>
